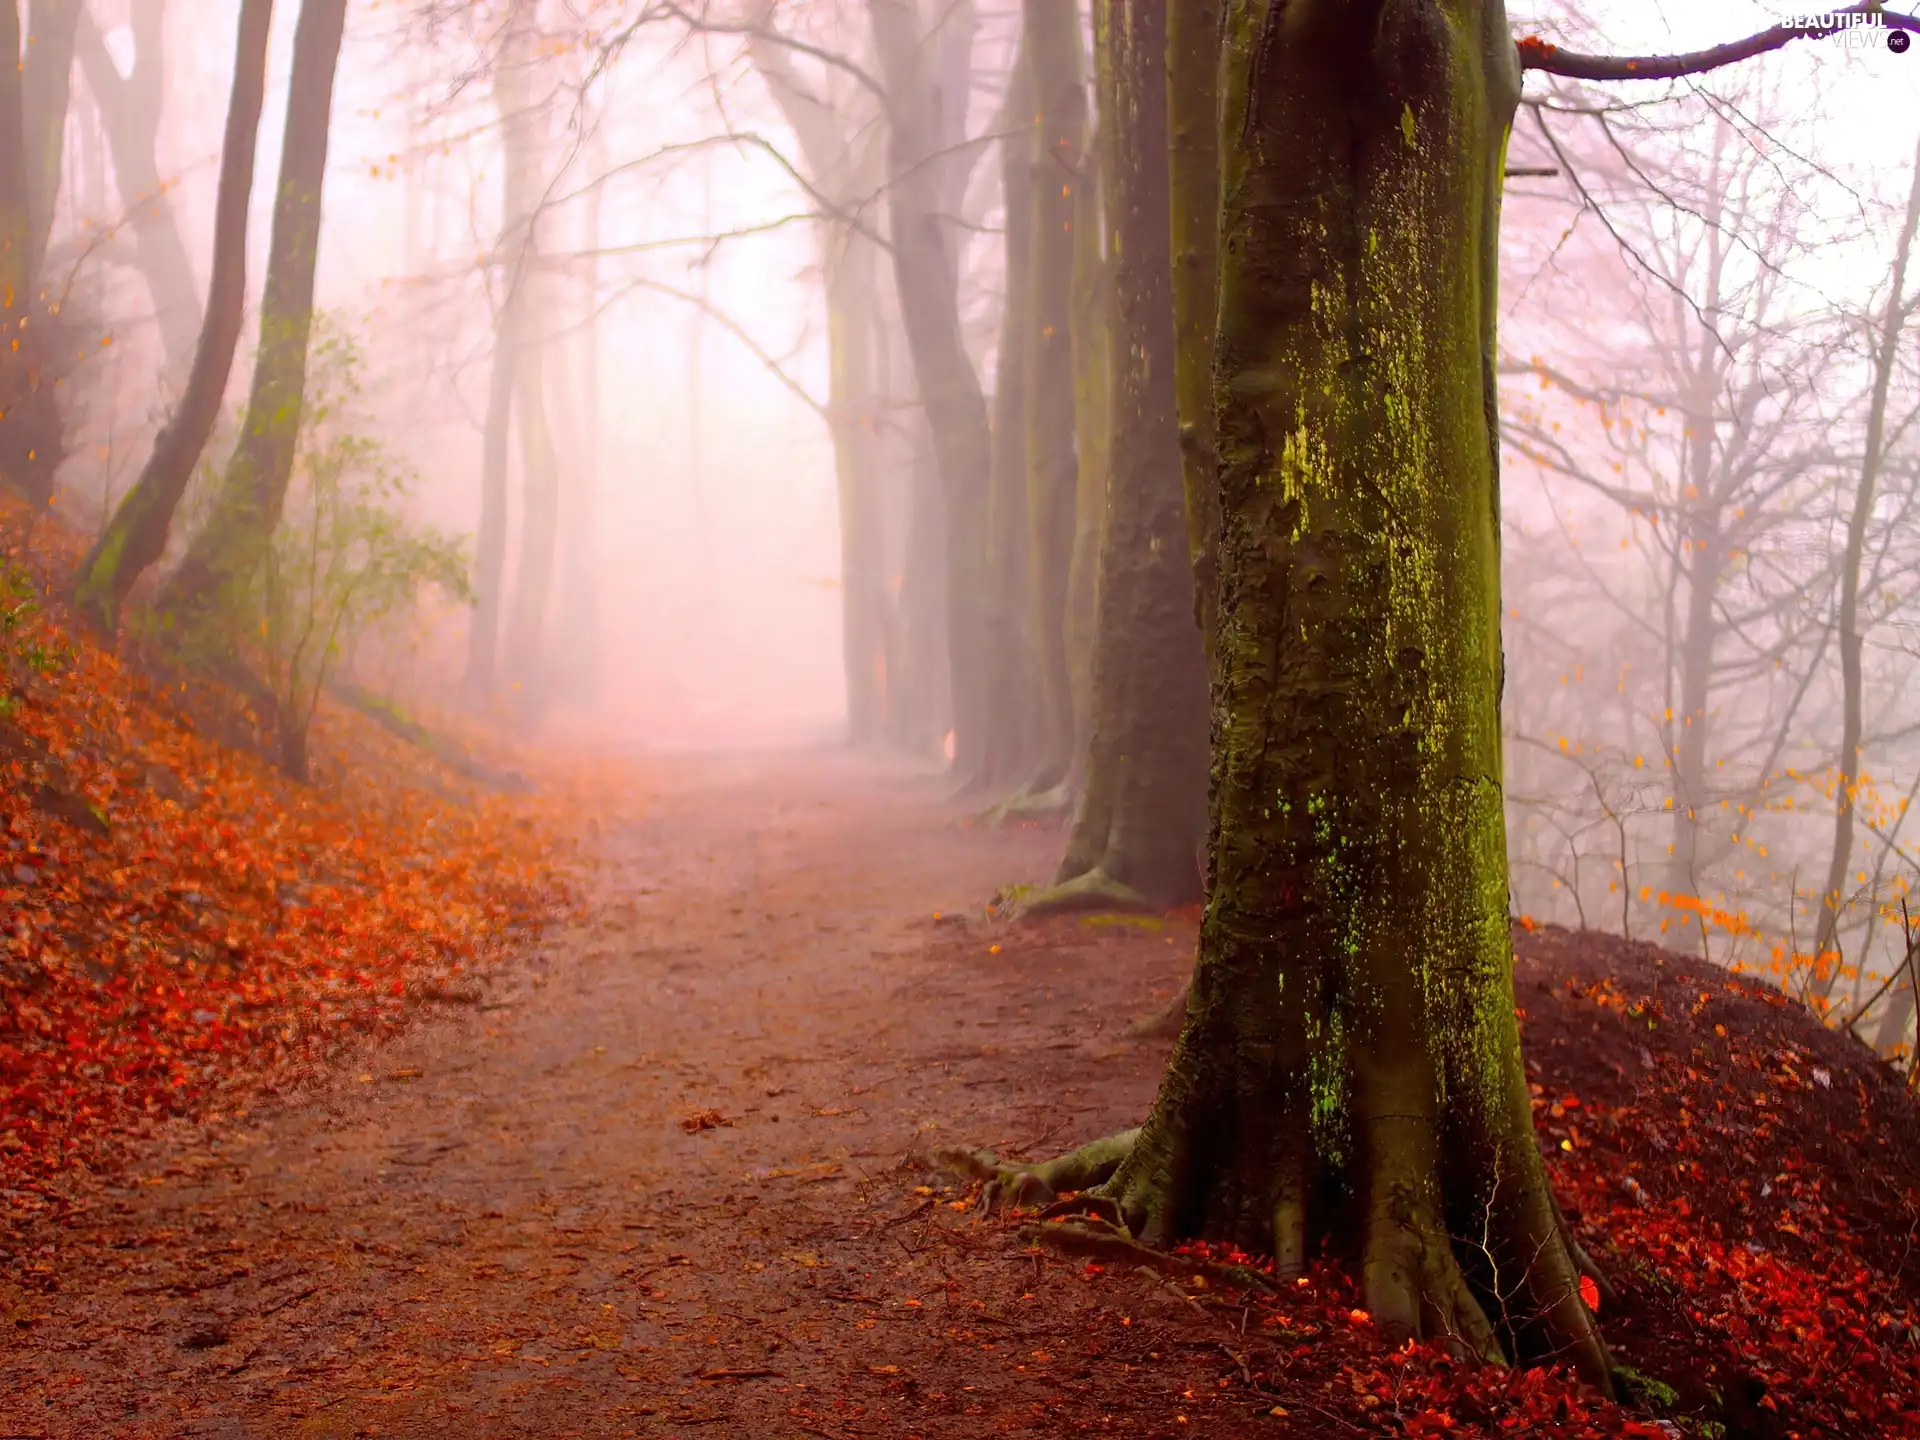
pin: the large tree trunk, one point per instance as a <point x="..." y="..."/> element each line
<point x="1193" y="100"/>
<point x="1012" y="712"/>
<point x="1059" y="98"/>
<point x="924" y="269"/>
<point x="1351" y="1063"/>
<point x="1852" y="640"/>
<point x="246" y="508"/>
<point x="130" y="108"/>
<point x="136" y="536"/>
<point x="1139" y="826"/>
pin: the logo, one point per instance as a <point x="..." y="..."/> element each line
<point x="1853" y="29"/>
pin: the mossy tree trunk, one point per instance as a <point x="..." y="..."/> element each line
<point x="130" y="107"/>
<point x="1012" y="708"/>
<point x="921" y="102"/>
<point x="252" y="491"/>
<point x="1351" y="1061"/>
<point x="136" y="535"/>
<point x="1139" y="825"/>
<point x="1051" y="39"/>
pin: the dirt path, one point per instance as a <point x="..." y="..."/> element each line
<point x="502" y="1226"/>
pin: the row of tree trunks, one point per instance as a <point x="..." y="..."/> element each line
<point x="252" y="490"/>
<point x="135" y="536"/>
<point x="1138" y="828"/>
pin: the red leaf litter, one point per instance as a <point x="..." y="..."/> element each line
<point x="229" y="929"/>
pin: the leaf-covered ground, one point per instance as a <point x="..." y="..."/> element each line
<point x="179" y="926"/>
<point x="390" y="1106"/>
<point x="663" y="1182"/>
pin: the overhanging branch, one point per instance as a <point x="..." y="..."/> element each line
<point x="1543" y="55"/>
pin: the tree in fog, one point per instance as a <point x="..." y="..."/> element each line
<point x="1720" y="442"/>
<point x="135" y="536"/>
<point x="130" y="107"/>
<point x="923" y="62"/>
<point x="1849" y="624"/>
<point x="34" y="93"/>
<point x="247" y="502"/>
<point x="1138" y="826"/>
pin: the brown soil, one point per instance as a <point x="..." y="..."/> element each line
<point x="664" y="1182"/>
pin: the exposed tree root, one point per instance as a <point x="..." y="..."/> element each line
<point x="1163" y="1025"/>
<point x="1030" y="1187"/>
<point x="1094" y="890"/>
<point x="1099" y="1240"/>
<point x="1124" y="1200"/>
<point x="1027" y="803"/>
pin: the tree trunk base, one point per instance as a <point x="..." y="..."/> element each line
<point x="1027" y="803"/>
<point x="1092" y="891"/>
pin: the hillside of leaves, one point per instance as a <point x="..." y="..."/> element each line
<point x="181" y="926"/>
<point x="1748" y="1179"/>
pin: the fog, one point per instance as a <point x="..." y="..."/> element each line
<point x="679" y="316"/>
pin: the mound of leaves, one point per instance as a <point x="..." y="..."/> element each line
<point x="1748" y="1179"/>
<point x="180" y="926"/>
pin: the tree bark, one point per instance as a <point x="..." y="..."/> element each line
<point x="1092" y="400"/>
<point x="1351" y="1063"/>
<point x="130" y="108"/>
<point x="1138" y="829"/>
<point x="246" y="508"/>
<point x="47" y="87"/>
<point x="1852" y="639"/>
<point x="1193" y="102"/>
<point x="136" y="536"/>
<point x="31" y="432"/>
<point x="1052" y="42"/>
<point x="1012" y="710"/>
<point x="924" y="271"/>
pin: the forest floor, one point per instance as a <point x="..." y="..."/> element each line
<point x="665" y="1177"/>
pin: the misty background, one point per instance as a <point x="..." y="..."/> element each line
<point x="1691" y="301"/>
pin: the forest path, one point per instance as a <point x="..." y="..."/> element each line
<point x="500" y="1224"/>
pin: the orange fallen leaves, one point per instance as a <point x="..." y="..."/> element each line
<point x="229" y="928"/>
